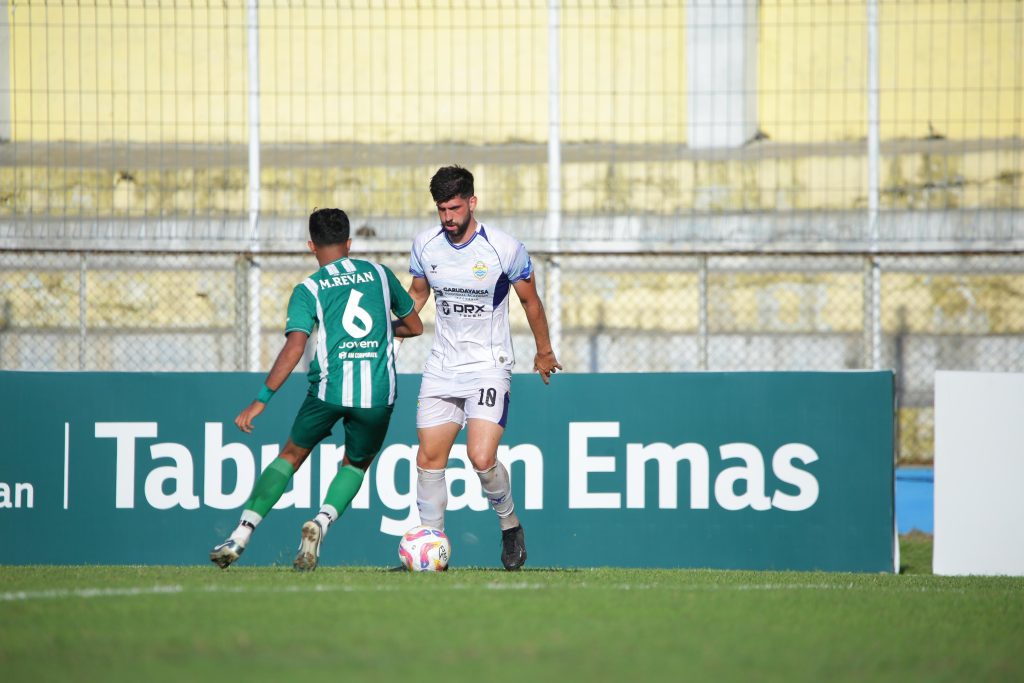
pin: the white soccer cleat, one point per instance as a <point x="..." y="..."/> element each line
<point x="224" y="554"/>
<point x="309" y="547"/>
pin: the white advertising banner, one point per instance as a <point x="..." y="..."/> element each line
<point x="979" y="473"/>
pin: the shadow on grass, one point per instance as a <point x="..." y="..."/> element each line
<point x="915" y="558"/>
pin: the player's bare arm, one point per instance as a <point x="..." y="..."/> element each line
<point x="409" y="326"/>
<point x="544" y="362"/>
<point x="419" y="290"/>
<point x="287" y="359"/>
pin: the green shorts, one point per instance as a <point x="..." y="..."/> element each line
<point x="365" y="428"/>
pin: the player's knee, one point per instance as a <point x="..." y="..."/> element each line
<point x="295" y="454"/>
<point x="482" y="458"/>
<point x="362" y="463"/>
<point x="431" y="459"/>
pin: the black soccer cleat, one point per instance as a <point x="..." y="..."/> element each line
<point x="513" y="548"/>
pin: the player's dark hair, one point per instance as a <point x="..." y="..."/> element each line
<point x="451" y="181"/>
<point x="328" y="226"/>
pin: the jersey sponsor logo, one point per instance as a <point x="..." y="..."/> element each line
<point x="731" y="477"/>
<point x="463" y="293"/>
<point x="353" y="350"/>
<point x="465" y="310"/>
<point x="357" y="355"/>
<point x="479" y="270"/>
<point x="464" y="290"/>
<point x="345" y="279"/>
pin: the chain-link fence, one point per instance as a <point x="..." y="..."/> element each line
<point x="789" y="124"/>
<point x="619" y="312"/>
<point x="742" y="185"/>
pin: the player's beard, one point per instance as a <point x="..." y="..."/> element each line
<point x="458" y="231"/>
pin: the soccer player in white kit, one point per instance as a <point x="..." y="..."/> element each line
<point x="466" y="380"/>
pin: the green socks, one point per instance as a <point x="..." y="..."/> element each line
<point x="270" y="486"/>
<point x="275" y="478"/>
<point x="344" y="488"/>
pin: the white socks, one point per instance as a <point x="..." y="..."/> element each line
<point x="431" y="497"/>
<point x="249" y="521"/>
<point x="247" y="525"/>
<point x="496" y="487"/>
<point x="327" y="516"/>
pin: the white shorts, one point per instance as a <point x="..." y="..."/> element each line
<point x="457" y="398"/>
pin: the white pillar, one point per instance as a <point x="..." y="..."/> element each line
<point x="254" y="322"/>
<point x="554" y="293"/>
<point x="6" y="100"/>
<point x="874" y="154"/>
<point x="721" y="59"/>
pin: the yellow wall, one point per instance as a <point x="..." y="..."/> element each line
<point x="128" y="73"/>
<point x="957" y="65"/>
<point x="388" y="72"/>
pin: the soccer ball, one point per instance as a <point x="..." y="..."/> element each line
<point x="425" y="549"/>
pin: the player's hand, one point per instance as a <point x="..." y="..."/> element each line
<point x="546" y="364"/>
<point x="245" y="418"/>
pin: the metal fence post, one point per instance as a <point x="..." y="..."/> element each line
<point x="702" y="312"/>
<point x="241" y="328"/>
<point x="83" y="299"/>
<point x="872" y="319"/>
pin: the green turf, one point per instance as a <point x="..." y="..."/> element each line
<point x="245" y="624"/>
<point x="916" y="553"/>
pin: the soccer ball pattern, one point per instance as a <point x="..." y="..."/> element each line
<point x="425" y="549"/>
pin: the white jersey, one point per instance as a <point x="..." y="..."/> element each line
<point x="471" y="283"/>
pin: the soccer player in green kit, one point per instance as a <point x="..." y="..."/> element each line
<point x="351" y="378"/>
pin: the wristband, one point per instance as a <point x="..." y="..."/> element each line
<point x="266" y="393"/>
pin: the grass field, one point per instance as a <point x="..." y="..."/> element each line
<point x="344" y="624"/>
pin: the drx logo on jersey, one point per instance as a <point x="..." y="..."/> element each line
<point x="469" y="310"/>
<point x="729" y="476"/>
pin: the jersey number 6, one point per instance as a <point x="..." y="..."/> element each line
<point x="357" y="321"/>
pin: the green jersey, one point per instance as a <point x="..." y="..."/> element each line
<point x="350" y="301"/>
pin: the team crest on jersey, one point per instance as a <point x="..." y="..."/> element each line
<point x="479" y="270"/>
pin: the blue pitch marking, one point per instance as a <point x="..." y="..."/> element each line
<point x="915" y="499"/>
